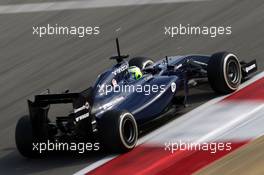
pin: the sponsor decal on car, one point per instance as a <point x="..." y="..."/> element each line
<point x="86" y="106"/>
<point x="112" y="103"/>
<point x="120" y="69"/>
<point x="247" y="69"/>
<point x="173" y="87"/>
<point x="114" y="82"/>
<point x="82" y="117"/>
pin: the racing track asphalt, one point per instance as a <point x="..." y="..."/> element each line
<point x="30" y="64"/>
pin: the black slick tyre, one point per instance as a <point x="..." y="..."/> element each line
<point x="224" y="72"/>
<point x="118" y="131"/>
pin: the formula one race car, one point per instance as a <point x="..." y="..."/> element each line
<point x="126" y="97"/>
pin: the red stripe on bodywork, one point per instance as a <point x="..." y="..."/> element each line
<point x="254" y="92"/>
<point x="155" y="160"/>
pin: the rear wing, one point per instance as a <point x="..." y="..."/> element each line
<point x="39" y="108"/>
<point x="47" y="99"/>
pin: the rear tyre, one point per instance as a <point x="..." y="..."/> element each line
<point x="118" y="131"/>
<point x="224" y="72"/>
<point x="24" y="137"/>
<point x="140" y="62"/>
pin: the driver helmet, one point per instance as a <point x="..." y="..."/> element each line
<point x="135" y="72"/>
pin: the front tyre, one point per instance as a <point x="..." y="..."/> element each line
<point x="224" y="72"/>
<point x="118" y="131"/>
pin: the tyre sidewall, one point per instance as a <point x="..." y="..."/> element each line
<point x="217" y="72"/>
<point x="225" y="61"/>
<point x="24" y="137"/>
<point x="127" y="116"/>
<point x="111" y="131"/>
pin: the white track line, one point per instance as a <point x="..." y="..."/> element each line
<point x="229" y="125"/>
<point x="197" y="110"/>
<point x="95" y="165"/>
<point x="182" y="119"/>
<point x="209" y="124"/>
<point x="69" y="5"/>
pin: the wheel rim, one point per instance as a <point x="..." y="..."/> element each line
<point x="233" y="73"/>
<point x="128" y="130"/>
